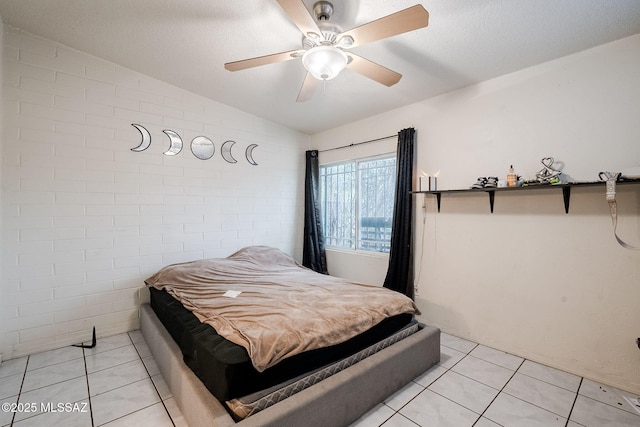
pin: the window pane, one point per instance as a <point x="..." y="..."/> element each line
<point x="367" y="216"/>
<point x="377" y="188"/>
<point x="337" y="195"/>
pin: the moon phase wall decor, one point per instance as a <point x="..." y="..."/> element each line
<point x="146" y="138"/>
<point x="249" y="154"/>
<point x="176" y="143"/>
<point x="226" y="151"/>
<point x="201" y="146"/>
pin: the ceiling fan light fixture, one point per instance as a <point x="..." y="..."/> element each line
<point x="324" y="62"/>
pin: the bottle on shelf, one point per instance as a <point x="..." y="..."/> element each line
<point x="512" y="178"/>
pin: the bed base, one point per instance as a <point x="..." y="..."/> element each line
<point x="336" y="401"/>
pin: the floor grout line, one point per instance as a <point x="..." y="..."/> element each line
<point x="24" y="375"/>
<point x="574" y="403"/>
<point x="497" y="394"/>
<point x="152" y="382"/>
<point x="86" y="376"/>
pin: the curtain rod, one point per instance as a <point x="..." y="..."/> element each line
<point x="359" y="143"/>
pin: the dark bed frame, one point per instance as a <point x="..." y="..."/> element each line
<point x="336" y="401"/>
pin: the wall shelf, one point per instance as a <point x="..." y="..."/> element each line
<point x="565" y="187"/>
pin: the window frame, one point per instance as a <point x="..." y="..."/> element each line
<point x="356" y="208"/>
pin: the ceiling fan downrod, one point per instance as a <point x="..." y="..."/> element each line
<point x="323" y="10"/>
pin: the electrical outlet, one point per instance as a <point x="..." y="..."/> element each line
<point x="416" y="289"/>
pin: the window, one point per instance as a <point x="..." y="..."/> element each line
<point x="357" y="203"/>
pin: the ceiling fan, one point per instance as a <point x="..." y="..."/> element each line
<point x="324" y="45"/>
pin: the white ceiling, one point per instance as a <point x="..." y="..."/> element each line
<point x="186" y="43"/>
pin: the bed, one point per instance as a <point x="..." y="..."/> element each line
<point x="225" y="366"/>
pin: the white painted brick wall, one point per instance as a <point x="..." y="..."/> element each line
<point x="85" y="220"/>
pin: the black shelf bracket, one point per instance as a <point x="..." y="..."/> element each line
<point x="492" y="198"/>
<point x="566" y="195"/>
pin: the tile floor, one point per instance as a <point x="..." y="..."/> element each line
<point x="117" y="383"/>
<point x="478" y="386"/>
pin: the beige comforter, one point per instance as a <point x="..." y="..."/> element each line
<point x="261" y="299"/>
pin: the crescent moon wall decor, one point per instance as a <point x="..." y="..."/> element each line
<point x="202" y="147"/>
<point x="176" y="143"/>
<point x="249" y="154"/>
<point x="146" y="138"/>
<point x="226" y="151"/>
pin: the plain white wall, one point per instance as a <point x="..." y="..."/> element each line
<point x="85" y="220"/>
<point x="529" y="279"/>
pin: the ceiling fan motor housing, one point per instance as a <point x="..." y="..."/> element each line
<point x="328" y="36"/>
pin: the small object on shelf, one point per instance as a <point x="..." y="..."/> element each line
<point x="492" y="182"/>
<point x="512" y="178"/>
<point x="548" y="175"/>
<point x="428" y="183"/>
<point x="433" y="183"/>
<point x="480" y="183"/>
<point x="424" y="183"/>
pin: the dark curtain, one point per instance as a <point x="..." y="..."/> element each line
<point x="400" y="271"/>
<point x="313" y="253"/>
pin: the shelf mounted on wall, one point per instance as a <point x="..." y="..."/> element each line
<point x="565" y="187"/>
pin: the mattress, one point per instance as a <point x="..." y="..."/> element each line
<point x="226" y="369"/>
<point x="263" y="300"/>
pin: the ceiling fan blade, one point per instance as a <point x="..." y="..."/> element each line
<point x="372" y="70"/>
<point x="308" y="88"/>
<point x="300" y="16"/>
<point x="263" y="60"/>
<point x="391" y="25"/>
